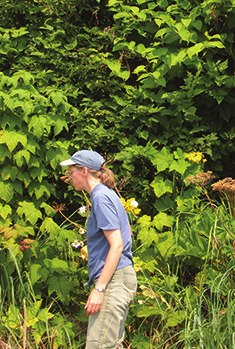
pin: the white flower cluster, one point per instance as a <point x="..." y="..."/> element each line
<point x="77" y="244"/>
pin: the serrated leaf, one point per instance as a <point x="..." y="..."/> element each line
<point x="36" y="125"/>
<point x="29" y="211"/>
<point x="20" y="156"/>
<point x="32" y="312"/>
<point x="166" y="245"/>
<point x="51" y="227"/>
<point x="11" y="139"/>
<point x="59" y="125"/>
<point x="5" y="210"/>
<point x="39" y="189"/>
<point x="161" y="186"/>
<point x="162" y="159"/>
<point x="144" y="221"/>
<point x="6" y="191"/>
<point x="161" y="220"/>
<point x="61" y="286"/>
<point x="57" y="97"/>
<point x="165" y="203"/>
<point x="35" y="273"/>
<point x="147" y="236"/>
<point x="9" y="172"/>
<point x="17" y="187"/>
<point x="180" y="166"/>
<point x="9" y="233"/>
<point x="44" y="315"/>
<point x="57" y="265"/>
<point x="176" y="317"/>
<point x="48" y="209"/>
<point x="4" y="152"/>
<point x="11" y="318"/>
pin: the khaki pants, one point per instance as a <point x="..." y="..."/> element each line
<point x="106" y="328"/>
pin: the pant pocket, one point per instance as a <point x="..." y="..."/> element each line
<point x="130" y="283"/>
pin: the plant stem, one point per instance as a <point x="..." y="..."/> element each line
<point x="217" y="214"/>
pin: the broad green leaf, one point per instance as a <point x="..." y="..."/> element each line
<point x="194" y="50"/>
<point x="162" y="159"/>
<point x="124" y="74"/>
<point x="50" y="227"/>
<point x="29" y="211"/>
<point x="32" y="312"/>
<point x="217" y="44"/>
<point x="166" y="244"/>
<point x="140" y="69"/>
<point x="35" y="272"/>
<point x="17" y="185"/>
<point x="39" y="330"/>
<point x="115" y="66"/>
<point x="6" y="191"/>
<point x="11" y="139"/>
<point x="36" y="125"/>
<point x="57" y="265"/>
<point x="11" y="319"/>
<point x="24" y="75"/>
<point x="9" y="172"/>
<point x="161" y="220"/>
<point x="5" y="210"/>
<point x="161" y="186"/>
<point x="180" y="166"/>
<point x="48" y="209"/>
<point x="40" y="189"/>
<point x="146" y="310"/>
<point x="144" y="221"/>
<point x="61" y="286"/>
<point x="165" y="203"/>
<point x="59" y="125"/>
<point x="186" y="21"/>
<point x="44" y="315"/>
<point x="175" y="318"/>
<point x="20" y="156"/>
<point x="147" y="236"/>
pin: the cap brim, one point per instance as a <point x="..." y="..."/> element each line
<point x="68" y="163"/>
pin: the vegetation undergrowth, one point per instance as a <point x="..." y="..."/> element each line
<point x="149" y="85"/>
<point x="184" y="259"/>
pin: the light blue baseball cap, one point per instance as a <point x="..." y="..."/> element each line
<point x="86" y="158"/>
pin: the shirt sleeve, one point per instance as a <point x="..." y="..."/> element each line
<point x="106" y="214"/>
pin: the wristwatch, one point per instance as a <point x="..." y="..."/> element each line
<point x="100" y="289"/>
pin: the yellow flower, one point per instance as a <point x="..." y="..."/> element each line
<point x="84" y="253"/>
<point x="195" y="157"/>
<point x="131" y="205"/>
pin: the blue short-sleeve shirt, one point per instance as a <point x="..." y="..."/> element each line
<point x="107" y="213"/>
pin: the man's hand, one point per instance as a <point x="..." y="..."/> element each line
<point x="94" y="302"/>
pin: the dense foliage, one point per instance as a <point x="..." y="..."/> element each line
<point x="142" y="82"/>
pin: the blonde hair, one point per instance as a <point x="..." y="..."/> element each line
<point x="105" y="175"/>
